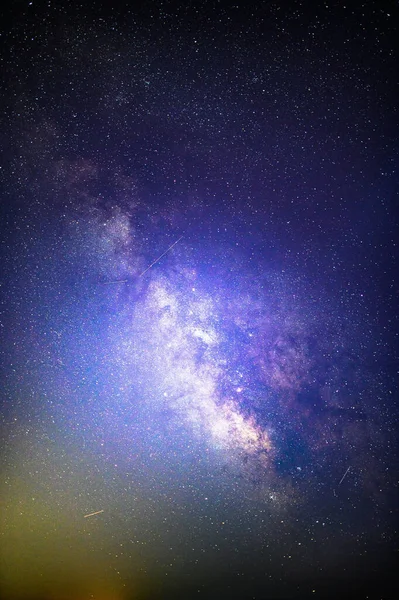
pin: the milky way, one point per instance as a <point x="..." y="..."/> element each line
<point x="198" y="251"/>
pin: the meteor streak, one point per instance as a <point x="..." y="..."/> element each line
<point x="344" y="475"/>
<point x="93" y="513"/>
<point x="115" y="281"/>
<point x="159" y="258"/>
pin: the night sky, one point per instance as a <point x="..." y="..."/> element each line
<point x="199" y="246"/>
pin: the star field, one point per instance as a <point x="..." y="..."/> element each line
<point x="198" y="290"/>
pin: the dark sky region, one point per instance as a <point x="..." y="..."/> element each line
<point x="199" y="359"/>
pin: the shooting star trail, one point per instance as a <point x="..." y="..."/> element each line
<point x="115" y="281"/>
<point x="93" y="513"/>
<point x="159" y="257"/>
<point x="344" y="475"/>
